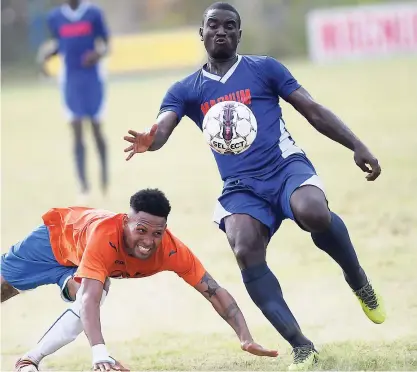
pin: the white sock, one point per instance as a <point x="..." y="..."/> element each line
<point x="65" y="330"/>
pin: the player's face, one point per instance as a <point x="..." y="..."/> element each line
<point x="220" y="33"/>
<point x="143" y="234"/>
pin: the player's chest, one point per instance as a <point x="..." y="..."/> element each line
<point x="125" y="267"/>
<point x="249" y="91"/>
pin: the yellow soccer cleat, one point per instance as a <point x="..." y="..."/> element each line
<point x="305" y="357"/>
<point x="372" y="304"/>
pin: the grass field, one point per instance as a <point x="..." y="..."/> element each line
<point x="159" y="323"/>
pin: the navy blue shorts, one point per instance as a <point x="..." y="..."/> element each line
<point x="267" y="198"/>
<point x="83" y="97"/>
<point x="31" y="263"/>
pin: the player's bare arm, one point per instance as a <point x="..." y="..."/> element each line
<point x="91" y="291"/>
<point x="327" y="123"/>
<point x="46" y="52"/>
<point x="228" y="309"/>
<point x="155" y="138"/>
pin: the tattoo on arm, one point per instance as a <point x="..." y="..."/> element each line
<point x="212" y="285"/>
<point x="231" y="313"/>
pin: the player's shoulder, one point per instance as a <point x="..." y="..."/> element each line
<point x="189" y="80"/>
<point x="172" y="245"/>
<point x="259" y="60"/>
<point x="94" y="8"/>
<point x="55" y="12"/>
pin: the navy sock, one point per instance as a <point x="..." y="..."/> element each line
<point x="80" y="162"/>
<point x="266" y="293"/>
<point x="335" y="241"/>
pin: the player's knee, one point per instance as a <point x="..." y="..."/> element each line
<point x="7" y="290"/>
<point x="311" y="211"/>
<point x="249" y="250"/>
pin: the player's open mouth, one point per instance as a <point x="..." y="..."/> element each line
<point x="143" y="250"/>
<point x="220" y="40"/>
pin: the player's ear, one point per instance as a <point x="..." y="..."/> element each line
<point x="200" y="32"/>
<point x="240" y="36"/>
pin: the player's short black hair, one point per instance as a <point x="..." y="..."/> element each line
<point x="224" y="6"/>
<point x="152" y="201"/>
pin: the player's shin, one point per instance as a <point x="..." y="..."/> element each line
<point x="65" y="330"/>
<point x="265" y="291"/>
<point x="335" y="241"/>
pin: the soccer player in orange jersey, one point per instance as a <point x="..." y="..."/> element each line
<point x="81" y="248"/>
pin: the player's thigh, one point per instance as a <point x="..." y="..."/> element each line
<point x="74" y="95"/>
<point x="30" y="263"/>
<point x="303" y="192"/>
<point x="248" y="222"/>
<point x="94" y="102"/>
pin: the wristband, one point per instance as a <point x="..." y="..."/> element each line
<point x="100" y="355"/>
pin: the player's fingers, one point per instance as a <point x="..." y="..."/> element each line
<point x="130" y="148"/>
<point x="132" y="132"/>
<point x="130" y="139"/>
<point x="107" y="366"/>
<point x="376" y="171"/>
<point x="130" y="156"/>
<point x="362" y="165"/>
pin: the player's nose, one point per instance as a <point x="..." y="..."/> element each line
<point x="221" y="31"/>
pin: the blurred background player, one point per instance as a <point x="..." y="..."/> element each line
<point x="271" y="181"/>
<point x="80" y="35"/>
<point x="80" y="248"/>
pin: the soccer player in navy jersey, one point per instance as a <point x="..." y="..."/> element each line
<point x="271" y="181"/>
<point x="76" y="28"/>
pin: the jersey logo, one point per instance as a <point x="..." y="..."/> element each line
<point x="113" y="246"/>
<point x="118" y="262"/>
<point x="172" y="252"/>
<point x="242" y="96"/>
<point x="76" y="29"/>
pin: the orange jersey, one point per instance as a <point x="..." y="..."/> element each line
<point x="92" y="240"/>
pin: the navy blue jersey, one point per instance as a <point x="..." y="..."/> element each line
<point x="258" y="82"/>
<point x="76" y="32"/>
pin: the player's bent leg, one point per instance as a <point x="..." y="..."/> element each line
<point x="102" y="150"/>
<point x="309" y="206"/>
<point x="329" y="233"/>
<point x="7" y="290"/>
<point x="249" y="238"/>
<point x="65" y="329"/>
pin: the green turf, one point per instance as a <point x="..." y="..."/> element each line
<point x="159" y="323"/>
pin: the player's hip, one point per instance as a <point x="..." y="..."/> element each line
<point x="266" y="198"/>
<point x="31" y="262"/>
<point x="269" y="180"/>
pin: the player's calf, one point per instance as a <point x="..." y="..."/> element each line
<point x="7" y="291"/>
<point x="309" y="206"/>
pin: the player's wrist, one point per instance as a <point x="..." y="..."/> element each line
<point x="101" y="355"/>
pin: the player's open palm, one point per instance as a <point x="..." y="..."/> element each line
<point x="256" y="349"/>
<point x="117" y="366"/>
<point x="140" y="142"/>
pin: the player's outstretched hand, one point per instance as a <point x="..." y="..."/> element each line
<point x="255" y="349"/>
<point x="117" y="366"/>
<point x="367" y="162"/>
<point x="140" y="141"/>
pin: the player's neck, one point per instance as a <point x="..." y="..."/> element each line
<point x="220" y="66"/>
<point x="74" y="5"/>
